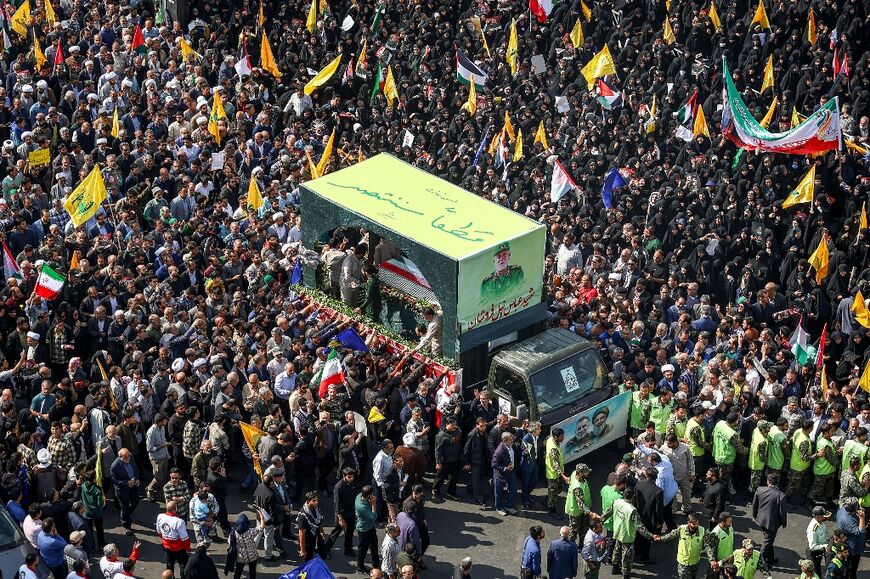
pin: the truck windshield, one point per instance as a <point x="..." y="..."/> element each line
<point x="10" y="533"/>
<point x="567" y="381"/>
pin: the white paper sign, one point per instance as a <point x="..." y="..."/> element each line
<point x="569" y="377"/>
<point x="217" y="161"/>
<point x="504" y="406"/>
<point x="408" y="140"/>
<point x="347" y="24"/>
<point x="539" y="65"/>
<point x="562" y="104"/>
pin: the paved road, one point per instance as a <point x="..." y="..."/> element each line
<point x="460" y="529"/>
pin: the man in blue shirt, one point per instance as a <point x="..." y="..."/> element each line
<point x="531" y="565"/>
<point x="562" y="555"/>
<point x="51" y="547"/>
<point x="665" y="479"/>
<point x="850" y="518"/>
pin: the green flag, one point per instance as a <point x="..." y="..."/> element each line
<point x="379" y="12"/>
<point x="379" y="82"/>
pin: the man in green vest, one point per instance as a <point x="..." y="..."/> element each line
<point x="609" y="494"/>
<point x="748" y="560"/>
<point x="838" y="566"/>
<point x="554" y="468"/>
<point x="691" y="541"/>
<point x="677" y="422"/>
<point x="719" y="544"/>
<point x="807" y="570"/>
<point x="626" y="526"/>
<point x="726" y="445"/>
<point x="799" y="464"/>
<point x="696" y="438"/>
<point x="640" y="408"/>
<point x="776" y="446"/>
<point x="578" y="502"/>
<point x="855" y="447"/>
<point x="865" y="480"/>
<point x="758" y="455"/>
<point x="660" y="410"/>
<point x="824" y="465"/>
<point x="850" y="486"/>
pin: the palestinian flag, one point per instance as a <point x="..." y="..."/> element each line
<point x="687" y="111"/>
<point x="138" y="43"/>
<point x="48" y="284"/>
<point x="331" y="373"/>
<point x="466" y="69"/>
<point x="798" y="343"/>
<point x="10" y="266"/>
<point x="609" y="97"/>
<point x="818" y="133"/>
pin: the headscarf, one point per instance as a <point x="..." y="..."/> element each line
<point x="243" y="524"/>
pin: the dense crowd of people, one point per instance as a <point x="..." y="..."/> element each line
<point x="177" y="324"/>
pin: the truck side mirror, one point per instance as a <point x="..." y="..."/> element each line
<point x="522" y="412"/>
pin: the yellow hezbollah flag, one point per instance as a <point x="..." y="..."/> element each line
<point x="600" y="65"/>
<point x="768" y="75"/>
<point x="21" y="19"/>
<point x="323" y="6"/>
<point x="512" y="54"/>
<point x="859" y="308"/>
<point x="577" y="35"/>
<point x="39" y="157"/>
<point x="252" y="435"/>
<point x="116" y="126"/>
<point x="541" y="136"/>
<point x="217" y="113"/>
<point x="324" y="75"/>
<point x="376" y="415"/>
<point x="518" y="146"/>
<point x="795" y="117"/>
<point x="865" y="378"/>
<point x="255" y="198"/>
<point x="765" y="122"/>
<point x="811" y="27"/>
<point x="267" y="61"/>
<point x="509" y="127"/>
<point x="587" y="12"/>
<point x="327" y="153"/>
<point x="862" y="221"/>
<point x="669" y="33"/>
<point x="49" y="13"/>
<point x="261" y="15"/>
<point x="760" y="17"/>
<point x="471" y="104"/>
<point x="85" y="200"/>
<point x="803" y="193"/>
<point x="311" y="167"/>
<point x="714" y="15"/>
<point x="824" y="381"/>
<point x="820" y="259"/>
<point x="855" y="147"/>
<point x="37" y="54"/>
<point x="187" y="50"/>
<point x="390" y="87"/>
<point x="493" y="145"/>
<point x="651" y="123"/>
<point x="700" y="127"/>
<point x="311" y="21"/>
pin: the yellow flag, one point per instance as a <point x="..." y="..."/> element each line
<point x="855" y="147"/>
<point x="49" y="13"/>
<point x="261" y="15"/>
<point x="471" y="104"/>
<point x="804" y="191"/>
<point x="21" y="19"/>
<point x="865" y="378"/>
<point x="311" y="21"/>
<point x="587" y="12"/>
<point x="862" y="221"/>
<point x="508" y="126"/>
<point x="116" y="126"/>
<point x="323" y="6"/>
<point x="714" y="15"/>
<point x="187" y="50"/>
<point x="518" y="146"/>
<point x="324" y="75"/>
<point x="541" y="136"/>
<point x="267" y="61"/>
<point x="252" y="435"/>
<point x="768" y="117"/>
<point x="512" y="54"/>
<point x="768" y="75"/>
<point x="327" y="153"/>
<point x="390" y="87"/>
<point x="493" y="145"/>
<point x="795" y="117"/>
<point x="37" y="54"/>
<point x="824" y="380"/>
<point x="217" y="114"/>
<point x="859" y="308"/>
<point x="255" y="198"/>
<point x="820" y="259"/>
<point x="577" y="35"/>
<point x="600" y="65"/>
<point x="359" y="155"/>
<point x="760" y="17"/>
<point x="362" y="54"/>
<point x="651" y="123"/>
<point x="376" y="415"/>
<point x="700" y="127"/>
<point x="74" y="262"/>
<point x="475" y="23"/>
<point x="668" y="35"/>
<point x="312" y="168"/>
<point x="811" y="27"/>
<point x="85" y="200"/>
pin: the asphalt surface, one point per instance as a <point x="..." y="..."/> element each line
<point x="459" y="529"/>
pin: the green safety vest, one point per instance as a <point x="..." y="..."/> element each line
<point x="756" y="461"/>
<point x="723" y="451"/>
<point x="775" y="455"/>
<point x="821" y="466"/>
<point x="689" y="547"/>
<point x="691" y="425"/>
<point x="624" y="529"/>
<point x="636" y="416"/>
<point x="680" y="428"/>
<point x="726" y="542"/>
<point x="571" y="506"/>
<point x="865" y="500"/>
<point x="608" y="496"/>
<point x="798" y="464"/>
<point x="659" y="414"/>
<point x="746" y="567"/>
<point x="853" y="448"/>
<point x="548" y="466"/>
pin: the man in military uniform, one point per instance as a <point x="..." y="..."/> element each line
<point x="758" y="455"/>
<point x="554" y="468"/>
<point x="824" y="465"/>
<point x="691" y="541"/>
<point x="696" y="438"/>
<point x="726" y="445"/>
<point x="838" y="566"/>
<point x="776" y="446"/>
<point x="857" y="446"/>
<point x="850" y="486"/>
<point x="578" y="501"/>
<point x="640" y="408"/>
<point x="626" y="526"/>
<point x="799" y="465"/>
<point x="719" y="544"/>
<point x="504" y="280"/>
<point x="748" y="560"/>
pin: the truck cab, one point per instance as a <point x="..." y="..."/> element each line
<point x="548" y="377"/>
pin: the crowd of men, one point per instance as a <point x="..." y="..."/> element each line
<point x="177" y="322"/>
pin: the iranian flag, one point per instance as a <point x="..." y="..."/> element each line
<point x="818" y="133"/>
<point x="541" y="9"/>
<point x="10" y="266"/>
<point x="331" y="373"/>
<point x="49" y="283"/>
<point x="798" y="343"/>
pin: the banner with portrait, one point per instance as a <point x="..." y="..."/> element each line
<point x="595" y="427"/>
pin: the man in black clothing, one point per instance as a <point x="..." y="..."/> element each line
<point x="649" y="500"/>
<point x="714" y="497"/>
<point x="345" y="511"/>
<point x="448" y="452"/>
<point x="476" y="457"/>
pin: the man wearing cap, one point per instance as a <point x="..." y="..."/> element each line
<point x="838" y="566"/>
<point x="748" y="560"/>
<point x="73" y="551"/>
<point x="578" y="501"/>
<point x="799" y="463"/>
<point x="769" y="513"/>
<point x="817" y="537"/>
<point x="824" y="465"/>
<point x="758" y="454"/>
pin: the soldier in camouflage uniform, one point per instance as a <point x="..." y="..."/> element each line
<point x="691" y="537"/>
<point x="554" y="467"/>
<point x="824" y="465"/>
<point x="794" y="415"/>
<point x="850" y="486"/>
<point x="626" y="525"/>
<point x="758" y="455"/>
<point x="578" y="501"/>
<point x="799" y="465"/>
<point x="719" y="544"/>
